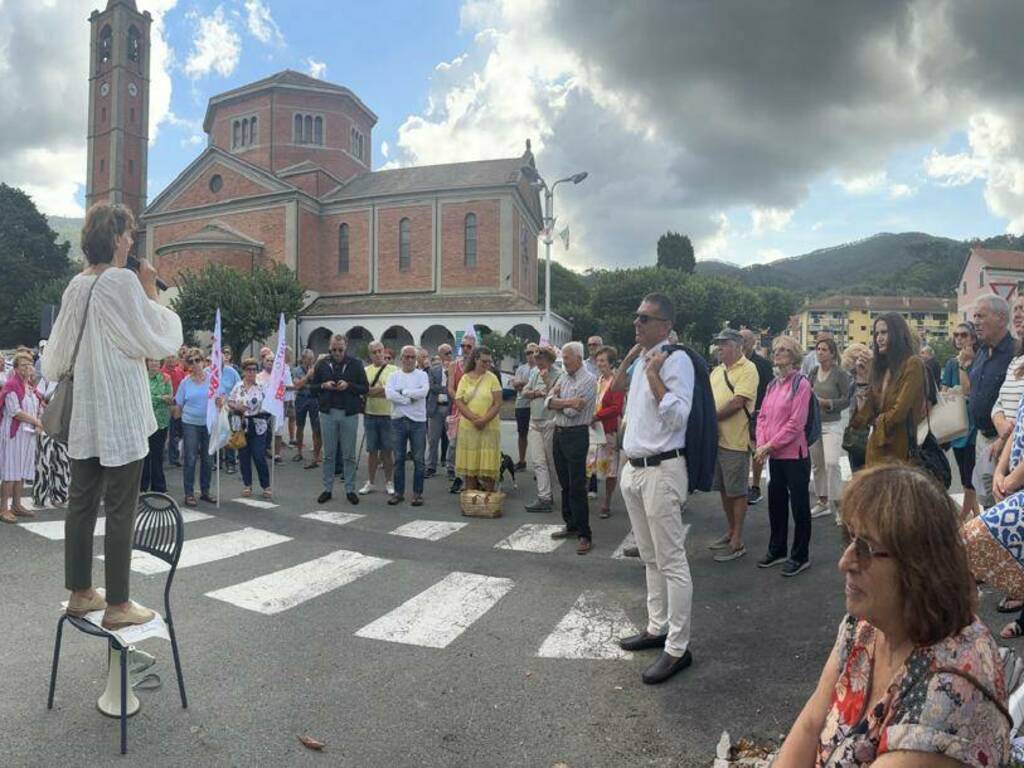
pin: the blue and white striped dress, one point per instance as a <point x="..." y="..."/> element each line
<point x="18" y="453"/>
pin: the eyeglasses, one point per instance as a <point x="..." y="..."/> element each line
<point x="251" y="368"/>
<point x="467" y="346"/>
<point x="644" y="319"/>
<point x="961" y="335"/>
<point x="408" y="357"/>
<point x="863" y="549"/>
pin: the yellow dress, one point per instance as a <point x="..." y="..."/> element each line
<point x="478" y="451"/>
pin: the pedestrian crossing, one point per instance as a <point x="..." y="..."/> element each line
<point x="54" y="529"/>
<point x="208" y="549"/>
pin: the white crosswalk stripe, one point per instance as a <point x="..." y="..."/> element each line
<point x="428" y="530"/>
<point x="258" y="503"/>
<point x="532" y="537"/>
<point x="438" y="615"/>
<point x="334" y="518"/>
<point x="629" y="541"/>
<point x="278" y="591"/>
<point x="591" y="630"/>
<point x="209" y="549"/>
<point x="54" y="529"/>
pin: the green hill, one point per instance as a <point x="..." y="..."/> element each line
<point x="913" y="263"/>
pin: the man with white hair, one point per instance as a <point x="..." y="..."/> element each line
<point x="573" y="399"/>
<point x="992" y="323"/>
<point x="407" y="390"/>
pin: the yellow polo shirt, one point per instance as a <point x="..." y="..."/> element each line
<point x="378" y="405"/>
<point x="732" y="432"/>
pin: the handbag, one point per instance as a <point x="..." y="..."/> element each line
<point x="56" y="418"/>
<point x="947" y="419"/>
<point x="237" y="440"/>
<point x="481" y="503"/>
<point x="926" y="453"/>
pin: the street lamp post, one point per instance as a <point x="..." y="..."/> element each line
<point x="537" y="182"/>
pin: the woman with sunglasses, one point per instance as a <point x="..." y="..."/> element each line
<point x="955" y="376"/>
<point x="916" y="677"/>
<point x="246" y="402"/>
<point x="190" y="405"/>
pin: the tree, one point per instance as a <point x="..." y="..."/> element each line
<point x="30" y="258"/>
<point x="504" y="345"/>
<point x="778" y="306"/>
<point x="675" y="251"/>
<point x="249" y="303"/>
<point x="28" y="309"/>
<point x="567" y="286"/>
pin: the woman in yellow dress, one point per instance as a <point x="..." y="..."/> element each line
<point x="478" y="398"/>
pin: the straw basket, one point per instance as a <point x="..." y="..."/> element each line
<point x="481" y="503"/>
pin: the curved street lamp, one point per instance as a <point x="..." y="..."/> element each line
<point x="537" y="182"/>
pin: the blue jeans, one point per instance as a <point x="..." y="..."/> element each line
<point x="197" y="444"/>
<point x="173" y="435"/>
<point x="339" y="438"/>
<point x="414" y="433"/>
<point x="255" y="452"/>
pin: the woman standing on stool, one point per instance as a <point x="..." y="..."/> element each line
<point x="121" y="325"/>
<point x="19" y="404"/>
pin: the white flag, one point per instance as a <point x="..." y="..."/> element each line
<point x="216" y="372"/>
<point x="564" y="234"/>
<point x="471" y="333"/>
<point x="274" y="396"/>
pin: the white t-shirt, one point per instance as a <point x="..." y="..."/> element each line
<point x="407" y="393"/>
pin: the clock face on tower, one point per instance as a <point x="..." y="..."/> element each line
<point x="132" y="90"/>
<point x="104" y="89"/>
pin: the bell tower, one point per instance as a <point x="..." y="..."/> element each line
<point x="118" y="123"/>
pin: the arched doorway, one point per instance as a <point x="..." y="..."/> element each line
<point x="525" y="332"/>
<point x="319" y="340"/>
<point x="435" y="336"/>
<point x="396" y="337"/>
<point x="358" y="340"/>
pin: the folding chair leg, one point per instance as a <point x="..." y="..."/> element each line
<point x="177" y="664"/>
<point x="124" y="701"/>
<point x="56" y="660"/>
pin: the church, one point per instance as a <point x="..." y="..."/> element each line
<point x="406" y="256"/>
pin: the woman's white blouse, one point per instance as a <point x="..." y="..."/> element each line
<point x="112" y="417"/>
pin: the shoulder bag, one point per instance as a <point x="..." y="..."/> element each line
<point x="362" y="398"/>
<point x="56" y="417"/>
<point x="927" y="453"/>
<point x="751" y="420"/>
<point x="947" y="419"/>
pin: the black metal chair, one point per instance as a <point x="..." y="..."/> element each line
<point x="159" y="531"/>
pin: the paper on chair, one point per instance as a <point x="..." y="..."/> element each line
<point x="155" y="627"/>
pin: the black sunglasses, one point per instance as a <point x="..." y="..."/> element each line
<point x="645" y="319"/>
<point x="863" y="549"/>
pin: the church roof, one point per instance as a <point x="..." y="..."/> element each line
<point x="429" y="178"/>
<point x="418" y="303"/>
<point x="287" y="78"/>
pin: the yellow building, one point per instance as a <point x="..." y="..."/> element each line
<point x="849" y="318"/>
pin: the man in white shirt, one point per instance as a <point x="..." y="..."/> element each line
<point x="654" y="483"/>
<point x="406" y="389"/>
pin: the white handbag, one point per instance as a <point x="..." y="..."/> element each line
<point x="948" y="418"/>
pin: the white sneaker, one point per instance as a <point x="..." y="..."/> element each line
<point x="368" y="488"/>
<point x="591" y="494"/>
<point x="391" y="488"/>
<point x="820" y="510"/>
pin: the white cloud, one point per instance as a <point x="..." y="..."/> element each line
<point x="716" y="244"/>
<point x="863" y="184"/>
<point x="766" y="220"/>
<point x="261" y="24"/>
<point x="897" y="191"/>
<point x="385" y="150"/>
<point x="44" y="55"/>
<point x="216" y="48"/>
<point x="317" y="69"/>
<point x="445" y="66"/>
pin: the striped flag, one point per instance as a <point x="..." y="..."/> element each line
<point x="216" y="371"/>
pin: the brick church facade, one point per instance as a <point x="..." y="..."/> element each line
<point x="407" y="255"/>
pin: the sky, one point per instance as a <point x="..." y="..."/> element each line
<point x="761" y="130"/>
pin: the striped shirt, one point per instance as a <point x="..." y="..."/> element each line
<point x="1011" y="390"/>
<point x="582" y="384"/>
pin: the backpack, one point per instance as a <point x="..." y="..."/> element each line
<point x="812" y="427"/>
<point x="701" y="426"/>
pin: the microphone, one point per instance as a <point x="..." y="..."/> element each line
<point x="132" y="263"/>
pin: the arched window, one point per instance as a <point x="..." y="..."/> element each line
<point x="297" y="138"/>
<point x="343" y="249"/>
<point x="404" y="260"/>
<point x="361" y="157"/>
<point x="106" y="45"/>
<point x="318" y="130"/>
<point x="252" y="130"/>
<point x="469" y="248"/>
<point x="134" y="43"/>
<point x="307" y="129"/>
<point x="245" y="132"/>
<point x="524" y="251"/>
<point x="236" y="134"/>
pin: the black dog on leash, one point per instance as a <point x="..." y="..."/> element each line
<point x="507" y="465"/>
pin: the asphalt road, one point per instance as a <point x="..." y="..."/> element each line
<point x="257" y="681"/>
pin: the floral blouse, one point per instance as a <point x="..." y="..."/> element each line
<point x="924" y="710"/>
<point x="251" y="398"/>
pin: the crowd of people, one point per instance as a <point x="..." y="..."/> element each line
<point x="587" y="424"/>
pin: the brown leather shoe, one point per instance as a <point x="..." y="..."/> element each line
<point x="584" y="546"/>
<point x="79" y="606"/>
<point x="118" y="618"/>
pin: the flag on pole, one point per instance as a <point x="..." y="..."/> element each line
<point x="274" y="396"/>
<point x="564" y="234"/>
<point x="216" y="371"/>
<point x="470" y="332"/>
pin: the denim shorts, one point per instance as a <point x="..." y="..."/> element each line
<point x="378" y="433"/>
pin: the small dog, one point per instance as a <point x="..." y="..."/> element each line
<point x="507" y="465"/>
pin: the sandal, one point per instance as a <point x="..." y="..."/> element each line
<point x="7" y="517"/>
<point x="247" y="492"/>
<point x="20" y="512"/>
<point x="605" y="513"/>
<point x="1011" y="631"/>
<point x="1010" y="605"/>
<point x="268" y="494"/>
<point x="190" y="501"/>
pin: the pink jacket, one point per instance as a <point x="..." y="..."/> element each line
<point x="783" y="416"/>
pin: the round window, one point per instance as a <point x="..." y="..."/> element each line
<point x="216" y="182"/>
